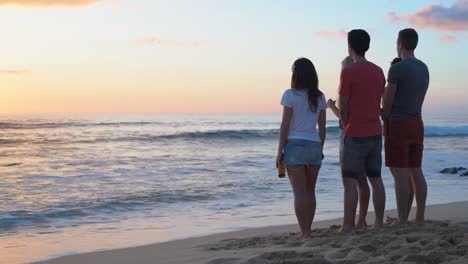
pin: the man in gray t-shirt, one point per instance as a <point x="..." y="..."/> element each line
<point x="408" y="82"/>
<point x="411" y="77"/>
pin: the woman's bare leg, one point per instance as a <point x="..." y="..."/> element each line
<point x="304" y="202"/>
<point x="311" y="204"/>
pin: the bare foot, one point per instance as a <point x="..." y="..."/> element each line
<point x="306" y="235"/>
<point x="415" y="221"/>
<point x="346" y="229"/>
<point x="395" y="221"/>
<point x="378" y="225"/>
<point x="392" y="220"/>
<point x="361" y="225"/>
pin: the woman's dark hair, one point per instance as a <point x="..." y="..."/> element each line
<point x="395" y="61"/>
<point x="305" y="77"/>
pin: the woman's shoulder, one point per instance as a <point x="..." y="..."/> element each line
<point x="323" y="97"/>
<point x="290" y="92"/>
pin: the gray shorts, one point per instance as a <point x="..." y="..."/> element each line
<point x="362" y="154"/>
<point x="302" y="152"/>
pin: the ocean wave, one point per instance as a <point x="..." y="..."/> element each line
<point x="71" y="124"/>
<point x="442" y="131"/>
<point x="242" y="134"/>
<point x="225" y="134"/>
<point x="430" y="131"/>
<point x="83" y="209"/>
<point x="49" y="125"/>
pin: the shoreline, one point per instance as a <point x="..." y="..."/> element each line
<point x="191" y="250"/>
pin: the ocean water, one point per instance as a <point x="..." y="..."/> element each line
<point x="85" y="183"/>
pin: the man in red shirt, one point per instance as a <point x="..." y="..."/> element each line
<point x="361" y="91"/>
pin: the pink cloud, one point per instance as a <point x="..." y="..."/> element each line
<point x="157" y="41"/>
<point x="47" y="3"/>
<point x="332" y="34"/>
<point x="392" y="17"/>
<point x="448" y="38"/>
<point x="437" y="17"/>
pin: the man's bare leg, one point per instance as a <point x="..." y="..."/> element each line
<point x="420" y="191"/>
<point x="350" y="203"/>
<point x="411" y="194"/>
<point x="402" y="192"/>
<point x="364" y="197"/>
<point x="378" y="197"/>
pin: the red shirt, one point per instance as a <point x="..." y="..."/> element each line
<point x="363" y="83"/>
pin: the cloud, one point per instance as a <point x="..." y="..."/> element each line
<point x="332" y="34"/>
<point x="157" y="41"/>
<point x="13" y="72"/>
<point x="47" y="3"/>
<point x="392" y="17"/>
<point x="448" y="38"/>
<point x="437" y="17"/>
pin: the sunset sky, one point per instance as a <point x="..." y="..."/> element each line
<point x="208" y="56"/>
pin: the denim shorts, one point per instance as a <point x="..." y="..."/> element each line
<point x="302" y="152"/>
<point x="362" y="153"/>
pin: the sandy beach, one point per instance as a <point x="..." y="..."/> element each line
<point x="443" y="239"/>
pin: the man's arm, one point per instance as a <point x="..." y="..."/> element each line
<point x="390" y="91"/>
<point x="344" y="109"/>
<point x="345" y="93"/>
<point x="332" y="106"/>
<point x="388" y="99"/>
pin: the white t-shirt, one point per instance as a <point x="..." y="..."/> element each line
<point x="304" y="121"/>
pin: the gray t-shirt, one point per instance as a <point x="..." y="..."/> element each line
<point x="412" y="79"/>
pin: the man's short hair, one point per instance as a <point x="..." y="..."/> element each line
<point x="408" y="38"/>
<point x="359" y="41"/>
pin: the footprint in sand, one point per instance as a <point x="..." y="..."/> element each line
<point x="273" y="257"/>
<point x="412" y="239"/>
<point x="433" y="258"/>
<point x="368" y="248"/>
<point x="318" y="242"/>
<point x="424" y="242"/>
<point x="290" y="257"/>
<point x="460" y="250"/>
<point x="340" y="254"/>
<point x="336" y="244"/>
<point x="444" y="244"/>
<point x="358" y="255"/>
<point x="395" y="257"/>
<point x="294" y="244"/>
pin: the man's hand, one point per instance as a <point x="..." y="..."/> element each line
<point x="331" y="103"/>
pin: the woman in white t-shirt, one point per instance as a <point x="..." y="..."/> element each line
<point x="300" y="144"/>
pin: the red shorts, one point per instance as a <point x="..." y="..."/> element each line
<point x="404" y="143"/>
